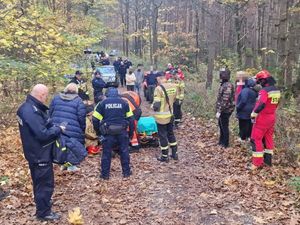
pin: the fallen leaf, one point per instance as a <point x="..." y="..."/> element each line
<point x="75" y="217"/>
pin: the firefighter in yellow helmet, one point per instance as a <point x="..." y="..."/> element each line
<point x="165" y="94"/>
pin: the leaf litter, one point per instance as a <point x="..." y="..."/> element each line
<point x="208" y="185"/>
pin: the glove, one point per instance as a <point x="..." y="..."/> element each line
<point x="218" y="114"/>
<point x="254" y="115"/>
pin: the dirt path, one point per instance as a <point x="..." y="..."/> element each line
<point x="207" y="185"/>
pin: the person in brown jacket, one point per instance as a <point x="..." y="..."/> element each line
<point x="225" y="106"/>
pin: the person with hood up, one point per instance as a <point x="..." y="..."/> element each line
<point x="68" y="107"/>
<point x="245" y="104"/>
<point x="224" y="106"/>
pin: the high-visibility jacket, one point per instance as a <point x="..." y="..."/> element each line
<point x="163" y="114"/>
<point x="180" y="86"/>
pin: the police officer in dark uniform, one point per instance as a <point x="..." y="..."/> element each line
<point x="82" y="86"/>
<point x="38" y="135"/>
<point x="111" y="119"/>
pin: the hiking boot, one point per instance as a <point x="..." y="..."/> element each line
<point x="51" y="217"/>
<point x="268" y="159"/>
<point x="163" y="159"/>
<point x="3" y="194"/>
<point x="174" y="155"/>
<point x="127" y="175"/>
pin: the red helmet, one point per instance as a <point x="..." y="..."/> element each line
<point x="93" y="149"/>
<point x="262" y="75"/>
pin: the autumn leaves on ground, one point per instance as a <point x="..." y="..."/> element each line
<point x="208" y="185"/>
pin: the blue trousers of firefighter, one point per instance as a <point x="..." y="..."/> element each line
<point x="121" y="141"/>
<point x="43" y="186"/>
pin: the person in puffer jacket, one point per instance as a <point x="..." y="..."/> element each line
<point x="68" y="107"/>
<point x="245" y="104"/>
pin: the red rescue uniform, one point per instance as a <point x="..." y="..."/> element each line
<point x="263" y="129"/>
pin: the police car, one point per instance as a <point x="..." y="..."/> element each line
<point x="109" y="76"/>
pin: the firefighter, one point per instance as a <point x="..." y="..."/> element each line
<point x="264" y="117"/>
<point x="134" y="101"/>
<point x="111" y="119"/>
<point x="177" y="104"/>
<point x="165" y="95"/>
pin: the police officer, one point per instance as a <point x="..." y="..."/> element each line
<point x="165" y="95"/>
<point x="82" y="86"/>
<point x="111" y="119"/>
<point x="37" y="135"/>
<point x="98" y="85"/>
<point x="264" y="117"/>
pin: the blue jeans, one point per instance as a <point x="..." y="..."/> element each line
<point x="120" y="141"/>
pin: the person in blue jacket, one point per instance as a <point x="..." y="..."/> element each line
<point x="111" y="119"/>
<point x="151" y="81"/>
<point x="68" y="107"/>
<point x="245" y="104"/>
<point x="98" y="85"/>
<point x="38" y="135"/>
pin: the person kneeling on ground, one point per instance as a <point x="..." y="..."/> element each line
<point x="69" y="108"/>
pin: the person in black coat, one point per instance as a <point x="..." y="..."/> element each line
<point x="81" y="84"/>
<point x="245" y="105"/>
<point x="122" y="73"/>
<point x="38" y="135"/>
<point x="98" y="85"/>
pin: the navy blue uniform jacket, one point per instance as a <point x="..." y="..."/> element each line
<point x="37" y="132"/>
<point x="113" y="111"/>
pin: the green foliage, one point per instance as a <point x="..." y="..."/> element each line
<point x="39" y="45"/>
<point x="295" y="182"/>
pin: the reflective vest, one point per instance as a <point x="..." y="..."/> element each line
<point x="163" y="115"/>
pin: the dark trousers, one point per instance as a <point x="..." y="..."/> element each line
<point x="43" y="186"/>
<point x="122" y="141"/>
<point x="224" y="129"/>
<point x="150" y="93"/>
<point x="166" y="136"/>
<point x="122" y="79"/>
<point x="177" y="113"/>
<point x="130" y="87"/>
<point x="245" y="126"/>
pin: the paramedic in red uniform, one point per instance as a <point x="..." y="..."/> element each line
<point x="264" y="117"/>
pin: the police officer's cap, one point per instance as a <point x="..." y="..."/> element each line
<point x="78" y="72"/>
